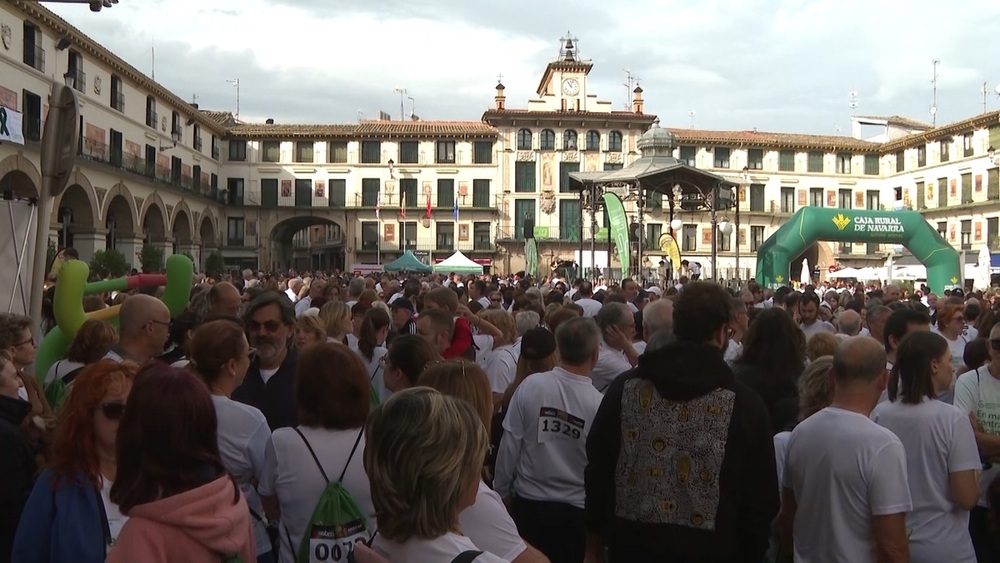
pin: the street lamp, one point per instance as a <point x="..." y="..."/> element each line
<point x="736" y="201"/>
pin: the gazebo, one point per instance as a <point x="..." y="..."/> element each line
<point x="408" y="263"/>
<point x="655" y="173"/>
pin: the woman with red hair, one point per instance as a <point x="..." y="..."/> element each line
<point x="69" y="515"/>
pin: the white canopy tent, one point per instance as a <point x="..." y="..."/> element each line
<point x="459" y="264"/>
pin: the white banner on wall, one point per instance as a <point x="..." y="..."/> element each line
<point x="10" y="126"/>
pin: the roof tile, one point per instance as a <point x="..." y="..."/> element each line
<point x="768" y="139"/>
<point x="369" y="128"/>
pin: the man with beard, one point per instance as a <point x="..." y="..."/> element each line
<point x="270" y="382"/>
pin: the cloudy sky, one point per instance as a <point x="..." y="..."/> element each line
<point x="776" y="65"/>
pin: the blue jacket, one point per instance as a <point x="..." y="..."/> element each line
<point x="61" y="524"/>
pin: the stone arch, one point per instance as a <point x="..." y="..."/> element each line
<point x="121" y="193"/>
<point x="154" y="216"/>
<point x="207" y="229"/>
<point x="329" y="252"/>
<point x="81" y="197"/>
<point x="19" y="175"/>
<point x="811" y="224"/>
<point x="182" y="224"/>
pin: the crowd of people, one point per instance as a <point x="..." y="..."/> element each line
<point x="329" y="417"/>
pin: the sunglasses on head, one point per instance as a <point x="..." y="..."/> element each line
<point x="112" y="411"/>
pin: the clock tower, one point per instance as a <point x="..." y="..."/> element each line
<point x="564" y="83"/>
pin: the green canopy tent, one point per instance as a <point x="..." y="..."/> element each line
<point x="459" y="264"/>
<point x="408" y="263"/>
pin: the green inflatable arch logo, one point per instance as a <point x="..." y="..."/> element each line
<point x="811" y="224"/>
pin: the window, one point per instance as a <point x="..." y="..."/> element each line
<point x="337" y="152"/>
<point x="593" y="141"/>
<point x="304" y="151"/>
<point x="723" y="242"/>
<point x="408" y="192"/>
<point x="269" y="193"/>
<point x="215" y="148"/>
<point x="967" y="234"/>
<point x="922" y="155"/>
<point x="687" y="155"/>
<point x="788" y="200"/>
<point x="900" y="161"/>
<point x="480" y="193"/>
<point x="150" y="162"/>
<point x="569" y="219"/>
<point x="524" y="140"/>
<point x="690" y="238"/>
<point x="873" y="202"/>
<point x="196" y="138"/>
<point x="234" y="234"/>
<point x="271" y="151"/>
<point x="75" y="71"/>
<point x="721" y="157"/>
<point x="993" y="184"/>
<point x="548" y="140"/>
<point x="445" y="235"/>
<point x="175" y="123"/>
<point x="151" y="112"/>
<point x="371" y="152"/>
<point x="34" y="55"/>
<point x="32" y="119"/>
<point x="992" y="232"/>
<point x="845" y="199"/>
<point x="117" y="93"/>
<point x="756" y="237"/>
<point x="755" y="159"/>
<point x="967" y="149"/>
<point x="564" y="169"/>
<point x="843" y="163"/>
<point x="445" y="152"/>
<point x="482" y="152"/>
<point x="966" y="188"/>
<point x="481" y="239"/>
<point x="115" y="155"/>
<point x="921" y="194"/>
<point x="408" y="234"/>
<point x="524" y="177"/>
<point x="235" y="189"/>
<point x="815" y="162"/>
<point x="757" y="197"/>
<point x="237" y="150"/>
<point x="613" y="166"/>
<point x="786" y="161"/>
<point x="176" y="167"/>
<point x="653" y="233"/>
<point x="338" y="193"/>
<point x="446" y="193"/>
<point x="369" y="192"/>
<point x="871" y="165"/>
<point x="816" y="197"/>
<point x="846" y="247"/>
<point x="615" y="141"/>
<point x="524" y="212"/>
<point x="942" y="185"/>
<point x="303" y="192"/>
<point x="569" y="140"/>
<point x="942" y="229"/>
<point x="944" y="147"/>
<point x="369" y="236"/>
<point x="196" y="178"/>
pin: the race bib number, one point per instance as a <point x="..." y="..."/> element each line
<point x="335" y="543"/>
<point x="555" y="424"/>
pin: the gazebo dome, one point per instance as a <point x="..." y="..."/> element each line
<point x="657" y="141"/>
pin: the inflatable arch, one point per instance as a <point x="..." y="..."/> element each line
<point x="811" y="224"/>
<point x="72" y="285"/>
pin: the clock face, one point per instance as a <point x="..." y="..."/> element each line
<point x="571" y="87"/>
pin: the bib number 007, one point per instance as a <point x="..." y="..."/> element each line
<point x="321" y="550"/>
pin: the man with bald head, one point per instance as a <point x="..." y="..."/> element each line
<point x="657" y="316"/>
<point x="224" y="299"/>
<point x="143" y="330"/>
<point x="850" y="323"/>
<point x="848" y="472"/>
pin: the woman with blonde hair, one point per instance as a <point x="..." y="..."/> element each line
<point x="487" y="522"/>
<point x="336" y="318"/>
<point x="501" y="363"/>
<point x="425" y="460"/>
<point x="309" y="330"/>
<point x="821" y="344"/>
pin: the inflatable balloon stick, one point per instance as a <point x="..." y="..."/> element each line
<point x="72" y="286"/>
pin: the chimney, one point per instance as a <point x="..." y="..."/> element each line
<point x="500" y="98"/>
<point x="637" y="100"/>
<point x="269" y="121"/>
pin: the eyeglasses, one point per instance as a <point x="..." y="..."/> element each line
<point x="269" y="326"/>
<point x="251" y="353"/>
<point x="23" y="342"/>
<point x="496" y="299"/>
<point x="164" y="323"/>
<point x="113" y="411"/>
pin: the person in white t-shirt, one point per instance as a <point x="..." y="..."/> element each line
<point x="371" y="348"/>
<point x="617" y="354"/>
<point x="846" y="472"/>
<point x="543" y="453"/>
<point x="940" y="446"/>
<point x="487" y="522"/>
<point x="425" y="457"/>
<point x="501" y="362"/>
<point x="950" y="325"/>
<point x="977" y="393"/>
<point x="586" y="300"/>
<point x="333" y="396"/>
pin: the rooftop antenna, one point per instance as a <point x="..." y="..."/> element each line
<point x="236" y="82"/>
<point x="194" y="99"/>
<point x="985" y="93"/>
<point x="413" y="108"/>
<point x="630" y="80"/>
<point x="152" y="59"/>
<point x="361" y="116"/>
<point x="691" y="117"/>
<point x="402" y="94"/>
<point x="853" y="103"/>
<point x="934" y="79"/>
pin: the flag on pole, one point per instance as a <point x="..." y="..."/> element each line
<point x="378" y="206"/>
<point x="428" y="206"/>
<point x="454" y="211"/>
<point x="402" y="203"/>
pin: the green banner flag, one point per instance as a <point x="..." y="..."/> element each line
<point x="619" y="229"/>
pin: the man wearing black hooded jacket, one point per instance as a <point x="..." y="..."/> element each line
<point x="680" y="455"/>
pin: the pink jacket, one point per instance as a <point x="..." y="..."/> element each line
<point x="202" y="524"/>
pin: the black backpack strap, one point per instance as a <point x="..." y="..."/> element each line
<point x="374" y="373"/>
<point x="467" y="556"/>
<point x="105" y="525"/>
<point x="354" y="449"/>
<point x="313" y="454"/>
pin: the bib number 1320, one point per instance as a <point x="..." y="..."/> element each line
<point x="556" y="424"/>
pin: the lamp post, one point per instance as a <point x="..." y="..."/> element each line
<point x="715" y="230"/>
<point x="746" y="186"/>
